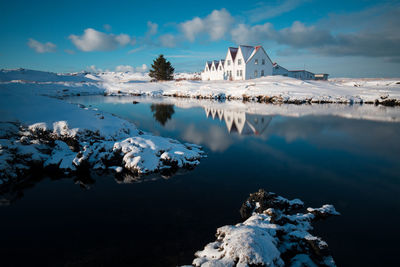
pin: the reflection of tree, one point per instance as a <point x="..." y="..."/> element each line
<point x="162" y="112"/>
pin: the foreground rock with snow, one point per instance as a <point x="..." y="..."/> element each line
<point x="276" y="232"/>
<point x="42" y="132"/>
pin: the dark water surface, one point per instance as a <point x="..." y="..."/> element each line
<point x="351" y="163"/>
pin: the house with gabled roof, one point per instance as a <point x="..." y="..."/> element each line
<point x="240" y="63"/>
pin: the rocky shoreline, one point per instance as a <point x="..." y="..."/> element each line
<point x="276" y="100"/>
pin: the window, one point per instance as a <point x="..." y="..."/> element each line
<point x="213" y="68"/>
<point x="220" y="68"/>
<point x="229" y="62"/>
<point x="255" y="73"/>
<point x="262" y="73"/>
<point x="239" y="62"/>
<point x="263" y="61"/>
<point x="241" y="73"/>
<point x="256" y="61"/>
<point x="237" y="73"/>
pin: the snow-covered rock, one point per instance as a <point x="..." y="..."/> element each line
<point x="277" y="233"/>
<point x="38" y="130"/>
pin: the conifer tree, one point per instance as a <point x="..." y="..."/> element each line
<point x="161" y="69"/>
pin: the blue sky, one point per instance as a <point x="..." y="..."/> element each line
<point x="344" y="38"/>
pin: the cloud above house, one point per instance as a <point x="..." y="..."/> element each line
<point x="93" y="40"/>
<point x="264" y="11"/>
<point x="215" y="25"/>
<point x="41" y="47"/>
<point x="375" y="34"/>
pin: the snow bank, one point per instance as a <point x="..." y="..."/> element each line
<point x="271" y="89"/>
<point x="36" y="130"/>
<point x="274" y="233"/>
<point x="41" y="76"/>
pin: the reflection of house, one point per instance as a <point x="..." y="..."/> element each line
<point x="241" y="122"/>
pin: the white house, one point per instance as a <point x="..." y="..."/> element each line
<point x="240" y="63"/>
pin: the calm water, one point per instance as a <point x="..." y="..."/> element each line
<point x="91" y="221"/>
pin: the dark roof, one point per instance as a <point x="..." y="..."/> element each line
<point x="233" y="51"/>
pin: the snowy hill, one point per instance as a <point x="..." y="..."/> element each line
<point x="41" y="76"/>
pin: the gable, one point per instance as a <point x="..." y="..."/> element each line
<point x="233" y="51"/>
<point x="247" y="51"/>
<point x="259" y="48"/>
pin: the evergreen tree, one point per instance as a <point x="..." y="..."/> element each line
<point x="161" y="69"/>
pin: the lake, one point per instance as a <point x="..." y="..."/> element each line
<point x="343" y="155"/>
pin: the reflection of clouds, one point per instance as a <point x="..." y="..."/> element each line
<point x="214" y="137"/>
<point x="355" y="136"/>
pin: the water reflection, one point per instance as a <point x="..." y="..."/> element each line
<point x="241" y="122"/>
<point x="162" y="112"/>
<point x="338" y="154"/>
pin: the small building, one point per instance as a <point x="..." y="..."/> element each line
<point x="279" y="70"/>
<point x="321" y="76"/>
<point x="301" y="74"/>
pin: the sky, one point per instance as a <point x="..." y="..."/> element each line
<point x="345" y="38"/>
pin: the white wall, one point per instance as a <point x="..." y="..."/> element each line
<point x="251" y="67"/>
<point x="238" y="68"/>
<point x="229" y="67"/>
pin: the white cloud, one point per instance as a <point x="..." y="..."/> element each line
<point x="41" y="47"/>
<point x="152" y="28"/>
<point x="92" y="40"/>
<point x="142" y="68"/>
<point x="93" y="68"/>
<point x="124" y="68"/>
<point x="107" y="27"/>
<point x="216" y="25"/>
<point x="267" y="11"/>
<point x="168" y="40"/>
<point x="137" y="49"/>
<point x="128" y="68"/>
<point x="245" y="34"/>
<point x="69" y="51"/>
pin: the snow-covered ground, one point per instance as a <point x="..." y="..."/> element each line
<point x="276" y="232"/>
<point x="39" y="130"/>
<point x="274" y="89"/>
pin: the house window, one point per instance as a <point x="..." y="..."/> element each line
<point x="241" y="73"/>
<point x="263" y="61"/>
<point x="220" y="68"/>
<point x="213" y="68"/>
<point x="237" y="73"/>
<point x="255" y="73"/>
<point x="262" y="72"/>
<point x="256" y="61"/>
<point x="229" y="62"/>
<point x="239" y="62"/>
